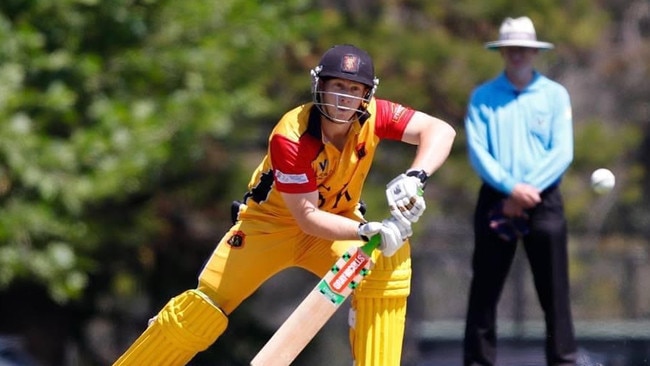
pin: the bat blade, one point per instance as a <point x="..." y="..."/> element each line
<point x="318" y="307"/>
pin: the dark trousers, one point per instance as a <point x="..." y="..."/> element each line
<point x="546" y="250"/>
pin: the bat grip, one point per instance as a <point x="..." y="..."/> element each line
<point x="371" y="245"/>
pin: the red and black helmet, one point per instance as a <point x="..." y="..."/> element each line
<point x="348" y="62"/>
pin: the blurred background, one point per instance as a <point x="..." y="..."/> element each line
<point x="128" y="127"/>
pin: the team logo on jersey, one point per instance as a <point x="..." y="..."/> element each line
<point x="350" y="63"/>
<point x="237" y="239"/>
<point x="321" y="166"/>
<point x="398" y="112"/>
<point x="361" y="150"/>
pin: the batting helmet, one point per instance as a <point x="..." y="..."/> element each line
<point x="345" y="62"/>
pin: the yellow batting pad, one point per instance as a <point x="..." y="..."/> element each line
<point x="389" y="277"/>
<point x="378" y="312"/>
<point x="188" y="324"/>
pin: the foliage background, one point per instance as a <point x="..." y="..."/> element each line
<point x="128" y="126"/>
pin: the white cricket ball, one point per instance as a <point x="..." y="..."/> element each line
<point x="602" y="180"/>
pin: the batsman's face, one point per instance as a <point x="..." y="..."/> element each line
<point x="343" y="97"/>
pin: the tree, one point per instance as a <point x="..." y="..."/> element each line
<point x="110" y="109"/>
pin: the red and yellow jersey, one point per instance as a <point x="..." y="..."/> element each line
<point x="299" y="161"/>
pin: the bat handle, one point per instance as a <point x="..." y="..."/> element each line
<point x="371" y="245"/>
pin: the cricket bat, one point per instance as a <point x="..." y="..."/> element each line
<point x="318" y="307"/>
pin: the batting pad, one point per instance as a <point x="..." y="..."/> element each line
<point x="378" y="312"/>
<point x="188" y="324"/>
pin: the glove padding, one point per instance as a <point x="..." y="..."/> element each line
<point x="405" y="230"/>
<point x="405" y="201"/>
<point x="393" y="234"/>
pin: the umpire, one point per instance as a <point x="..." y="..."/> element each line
<point x="520" y="141"/>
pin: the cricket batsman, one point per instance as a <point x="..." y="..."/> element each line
<point x="302" y="209"/>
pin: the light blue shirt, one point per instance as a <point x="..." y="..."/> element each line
<point x="521" y="136"/>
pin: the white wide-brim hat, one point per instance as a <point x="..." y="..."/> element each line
<point x="518" y="32"/>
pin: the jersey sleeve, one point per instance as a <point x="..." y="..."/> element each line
<point x="391" y="119"/>
<point x="291" y="163"/>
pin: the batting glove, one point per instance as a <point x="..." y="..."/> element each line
<point x="404" y="195"/>
<point x="367" y="230"/>
<point x="391" y="235"/>
<point x="405" y="230"/>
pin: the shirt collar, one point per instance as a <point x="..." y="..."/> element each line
<point x="314" y="124"/>
<point x="503" y="81"/>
